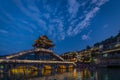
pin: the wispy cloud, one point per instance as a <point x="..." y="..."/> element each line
<point x="94" y="1"/>
<point x="73" y="7"/>
<point x="101" y="2"/>
<point x="83" y="24"/>
<point x="43" y="24"/>
<point x="3" y="31"/>
<point x="86" y="36"/>
<point x="59" y="21"/>
<point x="86" y="18"/>
<point x="106" y="25"/>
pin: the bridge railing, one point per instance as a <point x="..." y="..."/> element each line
<point x="34" y="61"/>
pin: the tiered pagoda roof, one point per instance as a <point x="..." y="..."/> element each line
<point x="43" y="42"/>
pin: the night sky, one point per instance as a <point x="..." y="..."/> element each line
<point x="71" y="24"/>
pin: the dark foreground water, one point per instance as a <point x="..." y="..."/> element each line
<point x="63" y="74"/>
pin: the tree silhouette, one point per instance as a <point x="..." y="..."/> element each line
<point x="88" y="47"/>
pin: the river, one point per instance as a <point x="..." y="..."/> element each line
<point x="63" y="74"/>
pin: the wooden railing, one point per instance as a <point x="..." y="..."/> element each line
<point x="35" y="61"/>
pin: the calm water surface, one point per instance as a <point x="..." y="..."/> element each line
<point x="63" y="74"/>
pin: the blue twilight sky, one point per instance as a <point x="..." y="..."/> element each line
<point x="71" y="24"/>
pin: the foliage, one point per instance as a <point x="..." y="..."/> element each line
<point x="88" y="47"/>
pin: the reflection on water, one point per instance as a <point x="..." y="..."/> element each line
<point x="63" y="74"/>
